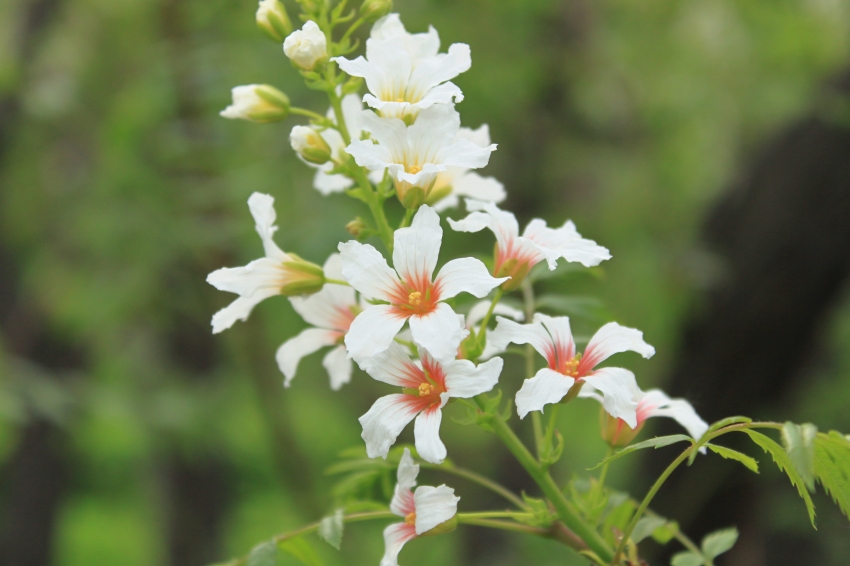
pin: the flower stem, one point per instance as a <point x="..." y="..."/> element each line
<point x="337" y="282"/>
<point x="503" y="525"/>
<point x="309" y="113"/>
<point x="480" y="480"/>
<point x="494" y="515"/>
<point x="550" y="430"/>
<point x="359" y="22"/>
<point x="482" y="330"/>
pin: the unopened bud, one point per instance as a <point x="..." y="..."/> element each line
<point x="306" y="47"/>
<point x="273" y="20"/>
<point x="311" y="6"/>
<point x="616" y="432"/>
<point x="257" y="103"/>
<point x="471" y="348"/>
<point x="371" y="10"/>
<point x="442" y="528"/>
<point x="311" y="146"/>
<point x="516" y="270"/>
<point x="356" y="227"/>
<point x="301" y="277"/>
<point x="413" y="197"/>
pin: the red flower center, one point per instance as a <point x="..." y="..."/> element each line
<point x="417" y="297"/>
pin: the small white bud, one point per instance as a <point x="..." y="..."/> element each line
<point x="257" y="103"/>
<point x="310" y="145"/>
<point x="306" y="47"/>
<point x="273" y="20"/>
<point x="372" y="10"/>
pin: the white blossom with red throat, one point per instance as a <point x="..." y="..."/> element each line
<point x="411" y="291"/>
<point x="422" y="510"/>
<point x="331" y="312"/>
<point x="553" y="339"/>
<point x="427" y="389"/>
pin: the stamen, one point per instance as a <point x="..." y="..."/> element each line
<point x="571" y="367"/>
<point x="411" y="519"/>
<point x="399" y="99"/>
<point x="415" y="298"/>
<point x="425" y="389"/>
<point x="414" y="170"/>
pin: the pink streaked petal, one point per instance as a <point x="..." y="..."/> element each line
<point x="395" y="537"/>
<point x="426" y="432"/>
<point x="465" y="380"/>
<point x="546" y="387"/>
<point x="402" y="502"/>
<point x="613" y="339"/>
<point x="367" y="271"/>
<point x="417" y="247"/>
<point x="434" y="505"/>
<point x="656" y="403"/>
<point x="466" y="275"/>
<point x="562" y="337"/>
<point x="385" y="420"/>
<point x="372" y="331"/>
<point x="619" y="392"/>
<point x="440" y="332"/>
<point x="395" y="367"/>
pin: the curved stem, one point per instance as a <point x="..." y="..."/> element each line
<point x="550" y="430"/>
<point x="357" y="23"/>
<point x="484" y="321"/>
<point x="494" y="515"/>
<point x="309" y="113"/>
<point x="503" y="525"/>
<point x="480" y="480"/>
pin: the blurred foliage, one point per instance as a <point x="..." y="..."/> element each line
<point x="122" y="189"/>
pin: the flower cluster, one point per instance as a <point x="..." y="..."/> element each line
<point x="408" y="142"/>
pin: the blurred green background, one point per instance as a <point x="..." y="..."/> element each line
<point x="140" y="434"/>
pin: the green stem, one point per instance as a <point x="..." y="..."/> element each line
<point x="550" y="489"/>
<point x="336" y="104"/>
<point x="604" y="472"/>
<point x="308" y="113"/>
<point x="482" y="330"/>
<point x="359" y="22"/>
<point x="337" y="282"/>
<point x="503" y="525"/>
<point x="408" y="216"/>
<point x="375" y="206"/>
<point x="480" y="480"/>
<point x="550" y="430"/>
<point x="495" y="515"/>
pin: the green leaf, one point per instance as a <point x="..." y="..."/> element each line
<point x="832" y="467"/>
<point x="718" y="542"/>
<point x="798" y="441"/>
<point x="687" y="559"/>
<point x="657" y="442"/>
<point x="730" y="454"/>
<point x="579" y="307"/>
<point x="330" y="529"/>
<point x="301" y="550"/>
<point x="728" y="421"/>
<point x="784" y="462"/>
<point x="666" y="532"/>
<point x="263" y="555"/>
<point x="645" y="527"/>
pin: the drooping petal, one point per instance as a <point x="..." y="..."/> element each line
<point x="434" y="505"/>
<point x="417" y="247"/>
<point x="395" y="537"/>
<point x="468" y="275"/>
<point x="262" y="209"/>
<point x="656" y="403"/>
<point x="408" y="470"/>
<point x="613" y="339"/>
<point x="426" y="432"/>
<point x="394" y="366"/>
<point x="385" y="420"/>
<point x="564" y="242"/>
<point x="254" y="282"/>
<point x="619" y="390"/>
<point x="508" y="331"/>
<point x="479" y="311"/>
<point x="304" y="344"/>
<point x="464" y="380"/>
<point x="338" y="365"/>
<point x="372" y="331"/>
<point x="487" y="215"/>
<point x="366" y="270"/>
<point x="547" y="386"/>
<point x="440" y="332"/>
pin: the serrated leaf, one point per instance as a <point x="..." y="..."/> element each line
<point x="330" y="529"/>
<point x="799" y="442"/>
<point x="718" y="542"/>
<point x="784" y="462"/>
<point x="645" y="527"/>
<point x="832" y="467"/>
<point x="301" y="550"/>
<point x="728" y="421"/>
<point x="657" y="442"/>
<point x="730" y="454"/>
<point x="264" y="554"/>
<point x="687" y="559"/>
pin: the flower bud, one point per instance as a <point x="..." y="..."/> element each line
<point x="356" y="227"/>
<point x="616" y="432"/>
<point x="311" y="6"/>
<point x="514" y="269"/>
<point x="273" y="20"/>
<point x="310" y="145"/>
<point x="257" y="103"/>
<point x="471" y="348"/>
<point x="372" y="10"/>
<point x="306" y="47"/>
<point x="301" y="277"/>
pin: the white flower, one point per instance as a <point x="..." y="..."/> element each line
<point x="273" y="20"/>
<point x="331" y="312"/>
<point x="277" y="273"/>
<point x="515" y="254"/>
<point x="477" y="314"/>
<point x="411" y="290"/>
<point x="404" y="73"/>
<point x="456" y="182"/>
<point x="422" y="510"/>
<point x="552" y="338"/>
<point x="426" y="391"/>
<point x="257" y="103"/>
<point x="417" y="154"/>
<point x="306" y="47"/>
<point x="310" y="145"/>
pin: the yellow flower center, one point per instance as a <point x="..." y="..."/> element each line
<point x="410" y="519"/>
<point x="399" y="99"/>
<point x="571" y="367"/>
<point x="425" y="389"/>
<point x="414" y="299"/>
<point x="414" y="170"/>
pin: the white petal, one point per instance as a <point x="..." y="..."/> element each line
<point x="475" y="186"/>
<point x="402" y="503"/>
<point x="338" y="365"/>
<point x="262" y="209"/>
<point x="408" y="470"/>
<point x="468" y="275"/>
<point x="448" y="201"/>
<point x="330" y="184"/>
<point x="394" y="366"/>
<point x="433" y="133"/>
<point x="391" y="134"/>
<point x="480" y="137"/>
<point x="262" y="275"/>
<point x="479" y="311"/>
<point x="559" y="330"/>
<point x="655" y="403"/>
<point x="372" y="331"/>
<point x="508" y="331"/>
<point x="330" y="307"/>
<point x="564" y="242"/>
<point x="434" y="505"/>
<point x="613" y="339"/>
<point x="426" y="432"/>
<point x="238" y="310"/>
<point x="417" y="247"/>
<point x="547" y="386"/>
<point x="446" y="93"/>
<point x="465" y="380"/>
<point x="370" y="155"/>
<point x="440" y="332"/>
<point x="304" y="344"/>
<point x="619" y="389"/>
<point x="366" y="270"/>
<point x="384" y="421"/>
<point x="464" y="153"/>
<point x="395" y="537"/>
<point x="487" y="215"/>
<point x="432" y="71"/>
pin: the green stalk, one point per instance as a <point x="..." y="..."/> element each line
<point x="308" y="113"/>
<point x="337" y="282"/>
<point x="484" y="321"/>
<point x="480" y="480"/>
